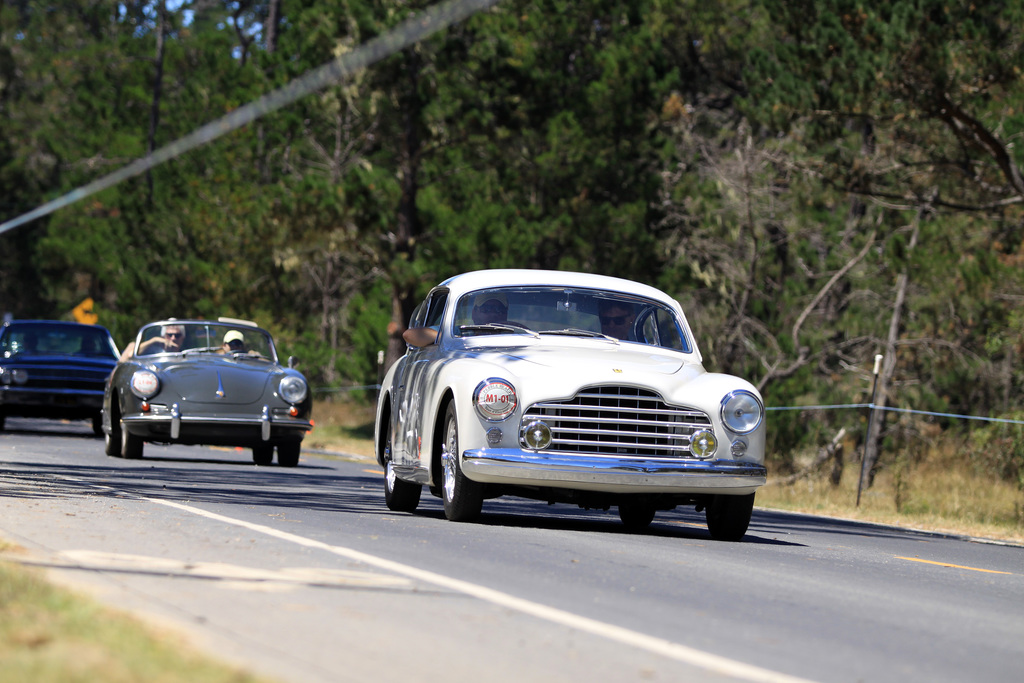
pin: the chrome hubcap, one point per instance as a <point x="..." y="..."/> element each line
<point x="448" y="455"/>
<point x="389" y="476"/>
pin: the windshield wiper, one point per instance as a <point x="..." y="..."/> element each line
<point x="579" y="332"/>
<point x="500" y="327"/>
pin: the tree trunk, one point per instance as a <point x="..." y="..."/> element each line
<point x="873" y="440"/>
<point x="408" y="228"/>
<point x="158" y="81"/>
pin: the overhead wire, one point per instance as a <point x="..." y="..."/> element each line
<point x="410" y="31"/>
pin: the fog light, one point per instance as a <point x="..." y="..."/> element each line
<point x="739" y="448"/>
<point x="703" y="444"/>
<point x="536" y="435"/>
<point x="493" y="436"/>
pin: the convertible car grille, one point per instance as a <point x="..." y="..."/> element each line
<point x="619" y="421"/>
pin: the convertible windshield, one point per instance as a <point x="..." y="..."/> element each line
<point x="610" y="315"/>
<point x="191" y="338"/>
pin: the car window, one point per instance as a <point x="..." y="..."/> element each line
<point x="56" y="340"/>
<point x="562" y="310"/>
<point x="435" y="308"/>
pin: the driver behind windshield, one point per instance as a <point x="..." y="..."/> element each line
<point x="490" y="307"/>
<point x="616" y="318"/>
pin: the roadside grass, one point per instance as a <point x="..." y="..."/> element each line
<point x="49" y="634"/>
<point x="941" y="490"/>
<point x="342" y="425"/>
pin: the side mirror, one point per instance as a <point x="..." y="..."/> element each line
<point x="293" y="362"/>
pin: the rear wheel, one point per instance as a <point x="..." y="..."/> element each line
<point x="463" y="498"/>
<point x="131" y="445"/>
<point x="636" y="516"/>
<point x="399" y="496"/>
<point x="729" y="516"/>
<point x="288" y="453"/>
<point x="263" y="455"/>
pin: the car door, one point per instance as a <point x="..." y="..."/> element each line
<point x="411" y="408"/>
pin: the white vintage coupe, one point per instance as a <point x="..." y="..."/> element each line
<point x="566" y="387"/>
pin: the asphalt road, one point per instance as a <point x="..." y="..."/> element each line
<point x="304" y="575"/>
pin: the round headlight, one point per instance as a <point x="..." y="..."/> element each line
<point x="19" y="375"/>
<point x="495" y="399"/>
<point x="145" y="384"/>
<point x="703" y="444"/>
<point x="293" y="389"/>
<point x="741" y="412"/>
<point x="536" y="435"/>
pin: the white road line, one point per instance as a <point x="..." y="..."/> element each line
<point x="658" y="646"/>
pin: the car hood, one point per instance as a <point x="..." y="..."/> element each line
<point x="221" y="382"/>
<point x="588" y="358"/>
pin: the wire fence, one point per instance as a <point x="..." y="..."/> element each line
<point x="890" y="409"/>
<point x="840" y="406"/>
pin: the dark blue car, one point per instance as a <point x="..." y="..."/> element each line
<point x="54" y="369"/>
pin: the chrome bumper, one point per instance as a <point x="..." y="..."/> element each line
<point x="621" y="474"/>
<point x="176" y="419"/>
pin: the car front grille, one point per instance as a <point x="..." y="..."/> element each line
<point x="618" y="421"/>
<point x="66" y="378"/>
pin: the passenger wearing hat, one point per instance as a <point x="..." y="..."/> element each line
<point x="233" y="342"/>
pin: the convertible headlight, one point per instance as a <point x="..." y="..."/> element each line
<point x="293" y="389"/>
<point x="145" y="384"/>
<point x="495" y="399"/>
<point x="742" y="412"/>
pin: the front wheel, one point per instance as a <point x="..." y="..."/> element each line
<point x="463" y="498"/>
<point x="288" y="453"/>
<point x="131" y="445"/>
<point x="729" y="516"/>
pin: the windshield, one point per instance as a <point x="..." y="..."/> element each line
<point x="616" y="316"/>
<point x="193" y="337"/>
<point x="40" y="339"/>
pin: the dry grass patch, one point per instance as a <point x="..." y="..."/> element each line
<point x="941" y="493"/>
<point x="51" y="634"/>
<point x="342" y="425"/>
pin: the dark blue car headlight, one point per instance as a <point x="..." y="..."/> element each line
<point x="293" y="389"/>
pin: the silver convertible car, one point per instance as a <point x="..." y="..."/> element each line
<point x="206" y="382"/>
<point x="569" y="388"/>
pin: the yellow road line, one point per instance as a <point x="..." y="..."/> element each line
<point x="954" y="566"/>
